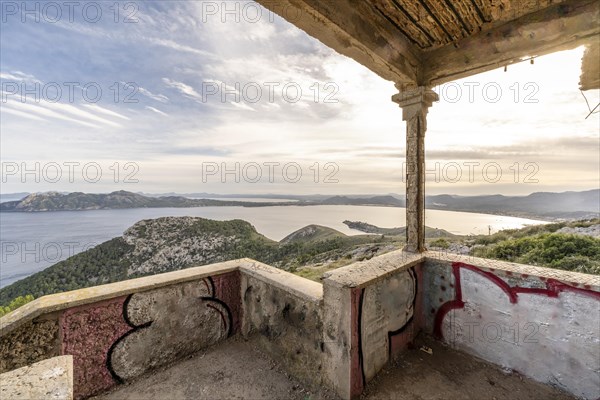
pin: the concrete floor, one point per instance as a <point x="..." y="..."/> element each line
<point x="236" y="369"/>
<point x="450" y="374"/>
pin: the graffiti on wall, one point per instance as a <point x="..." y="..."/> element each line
<point x="167" y="324"/>
<point x="548" y="333"/>
<point x="117" y="340"/>
<point x="384" y="313"/>
<point x="88" y="333"/>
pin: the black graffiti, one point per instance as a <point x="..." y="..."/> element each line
<point x="209" y="300"/>
<point x="361" y="356"/>
<point x="403" y="328"/>
<point x="390" y="334"/>
<point x="134" y="329"/>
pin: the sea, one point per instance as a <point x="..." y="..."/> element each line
<point x="31" y="242"/>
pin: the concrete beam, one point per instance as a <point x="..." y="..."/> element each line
<point x="356" y="30"/>
<point x="590" y="66"/>
<point x="561" y="27"/>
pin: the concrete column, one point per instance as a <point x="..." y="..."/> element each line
<point x="415" y="103"/>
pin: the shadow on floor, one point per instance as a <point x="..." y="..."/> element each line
<point x="450" y="374"/>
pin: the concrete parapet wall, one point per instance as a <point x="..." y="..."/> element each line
<point x="30" y="342"/>
<point x="542" y="323"/>
<point x="372" y="311"/>
<point x="117" y="332"/>
<point x="120" y="331"/>
<point x="285" y="311"/>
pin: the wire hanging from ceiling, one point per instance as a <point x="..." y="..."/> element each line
<point x="592" y="111"/>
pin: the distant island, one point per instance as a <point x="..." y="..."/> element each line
<point x="368" y="228"/>
<point x="78" y="201"/>
<point x="546" y="206"/>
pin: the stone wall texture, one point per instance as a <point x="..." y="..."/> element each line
<point x="47" y="379"/>
<point x="289" y="326"/>
<point x="531" y="320"/>
<point x="32" y="342"/>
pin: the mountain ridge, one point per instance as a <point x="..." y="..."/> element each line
<point x="542" y="205"/>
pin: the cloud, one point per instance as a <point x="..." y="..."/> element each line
<point x="157" y="97"/>
<point x="528" y="148"/>
<point x="363" y="131"/>
<point x="22" y="114"/>
<point x="18" y="76"/>
<point x="192" y="150"/>
<point x="81" y="114"/>
<point x="156" y="111"/>
<point x="180" y="47"/>
<point x="242" y="106"/>
<point x="64" y="112"/>
<point x="105" y="111"/>
<point x="183" y="88"/>
<point x="39" y="111"/>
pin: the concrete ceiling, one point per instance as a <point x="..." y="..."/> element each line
<point x="430" y="42"/>
<point x="429" y="24"/>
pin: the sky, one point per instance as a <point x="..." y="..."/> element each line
<point x="186" y="97"/>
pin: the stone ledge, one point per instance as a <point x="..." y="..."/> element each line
<point x="576" y="278"/>
<point x="62" y="301"/>
<point x="294" y="284"/>
<point x="48" y="379"/>
<point x="365" y="273"/>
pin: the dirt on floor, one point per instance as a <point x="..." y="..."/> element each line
<point x="237" y="369"/>
<point x="234" y="369"/>
<point x="452" y="375"/>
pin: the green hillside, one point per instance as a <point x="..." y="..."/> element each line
<point x="168" y="244"/>
<point x="312" y="234"/>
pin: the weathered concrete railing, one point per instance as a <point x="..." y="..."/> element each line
<point x="372" y="309"/>
<point x="286" y="311"/>
<point x="543" y="323"/>
<point x="117" y="332"/>
<point x="540" y="322"/>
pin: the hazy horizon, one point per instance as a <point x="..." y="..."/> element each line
<point x="291" y="195"/>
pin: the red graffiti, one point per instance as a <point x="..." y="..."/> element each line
<point x="553" y="289"/>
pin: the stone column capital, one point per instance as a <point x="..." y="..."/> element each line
<point x="414" y="100"/>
